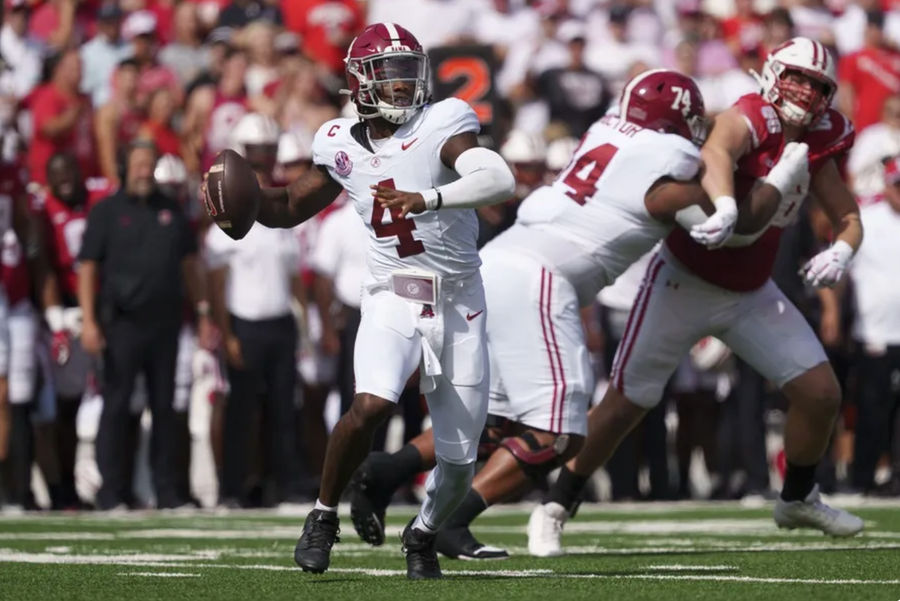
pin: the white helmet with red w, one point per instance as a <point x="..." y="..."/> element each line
<point x="387" y="73"/>
<point x="799" y="105"/>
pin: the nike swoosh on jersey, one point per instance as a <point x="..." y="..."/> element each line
<point x="471" y="316"/>
<point x="406" y="145"/>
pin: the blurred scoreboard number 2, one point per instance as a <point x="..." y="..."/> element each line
<point x="467" y="72"/>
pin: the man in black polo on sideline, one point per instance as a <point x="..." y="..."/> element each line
<point x="140" y="253"/>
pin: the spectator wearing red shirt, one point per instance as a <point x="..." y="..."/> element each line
<point x="869" y="76"/>
<point x="326" y="28"/>
<point x="743" y="30"/>
<point x="158" y="125"/>
<point x="117" y="122"/>
<point x="58" y="23"/>
<point x="61" y="118"/>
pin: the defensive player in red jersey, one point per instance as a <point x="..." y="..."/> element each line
<point x="62" y="209"/>
<point x="691" y="291"/>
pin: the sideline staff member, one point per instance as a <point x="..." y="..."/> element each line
<point x="139" y="245"/>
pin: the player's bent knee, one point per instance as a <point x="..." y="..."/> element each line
<point x="369" y="411"/>
<point x="816" y="391"/>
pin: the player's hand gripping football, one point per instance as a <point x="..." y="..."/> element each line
<point x="714" y="232"/>
<point x="407" y="202"/>
<point x="204" y="194"/>
<point x="828" y="267"/>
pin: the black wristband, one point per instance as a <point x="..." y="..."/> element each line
<point x="440" y="200"/>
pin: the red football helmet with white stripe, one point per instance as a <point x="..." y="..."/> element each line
<point x="387" y="73"/>
<point x="796" y="103"/>
<point x="666" y="101"/>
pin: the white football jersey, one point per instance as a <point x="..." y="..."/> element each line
<point x="591" y="223"/>
<point x="443" y="241"/>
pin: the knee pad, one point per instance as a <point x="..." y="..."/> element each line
<point x="536" y="460"/>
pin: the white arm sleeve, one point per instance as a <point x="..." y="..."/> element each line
<point x="485" y="179"/>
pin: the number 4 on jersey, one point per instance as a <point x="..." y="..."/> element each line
<point x="407" y="246"/>
<point x="583" y="175"/>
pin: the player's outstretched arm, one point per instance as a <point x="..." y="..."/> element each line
<point x="728" y="141"/>
<point x="828" y="188"/>
<point x="688" y="204"/>
<point x="292" y="205"/>
<point x="485" y="179"/>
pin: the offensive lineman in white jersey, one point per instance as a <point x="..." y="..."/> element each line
<point x="629" y="182"/>
<point x="421" y="303"/>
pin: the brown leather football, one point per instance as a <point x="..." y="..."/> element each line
<point x="232" y="194"/>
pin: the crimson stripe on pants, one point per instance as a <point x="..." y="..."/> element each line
<point x="626" y="335"/>
<point x="637" y="311"/>
<point x="562" y="374"/>
<point x="547" y="342"/>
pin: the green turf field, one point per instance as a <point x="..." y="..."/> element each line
<point x="652" y="551"/>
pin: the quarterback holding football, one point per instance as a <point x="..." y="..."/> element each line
<point x="413" y="171"/>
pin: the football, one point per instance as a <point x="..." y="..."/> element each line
<point x="232" y="194"/>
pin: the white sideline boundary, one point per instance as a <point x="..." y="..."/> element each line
<point x="300" y="510"/>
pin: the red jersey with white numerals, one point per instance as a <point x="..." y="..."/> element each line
<point x="745" y="268"/>
<point x="64" y="229"/>
<point x="13" y="265"/>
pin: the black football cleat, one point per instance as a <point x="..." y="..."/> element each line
<point x="368" y="503"/>
<point x="320" y="532"/>
<point x="421" y="558"/>
<point x="459" y="543"/>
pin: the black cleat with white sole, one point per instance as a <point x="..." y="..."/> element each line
<point x="460" y="543"/>
<point x="320" y="532"/>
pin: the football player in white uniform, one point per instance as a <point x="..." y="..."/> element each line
<point x="690" y="292"/>
<point x="413" y="171"/>
<point x="629" y="182"/>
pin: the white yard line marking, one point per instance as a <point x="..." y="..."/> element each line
<point x="160" y="574"/>
<point x="495" y="573"/>
<point x="724" y="578"/>
<point x="13" y="556"/>
<point x="586" y="509"/>
<point x="56" y="536"/>
<point x="160" y="560"/>
<point x="703" y="547"/>
<point x="553" y="574"/>
<point x="679" y="567"/>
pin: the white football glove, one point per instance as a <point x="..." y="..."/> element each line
<point x="718" y="227"/>
<point x="791" y="170"/>
<point x="790" y="176"/>
<point x="828" y="267"/>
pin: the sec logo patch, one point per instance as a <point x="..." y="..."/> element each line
<point x="342" y="163"/>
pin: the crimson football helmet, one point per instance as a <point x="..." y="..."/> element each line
<point x="798" y="104"/>
<point x="387" y="73"/>
<point x="666" y="101"/>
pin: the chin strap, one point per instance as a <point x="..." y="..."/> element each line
<point x="756" y="76"/>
